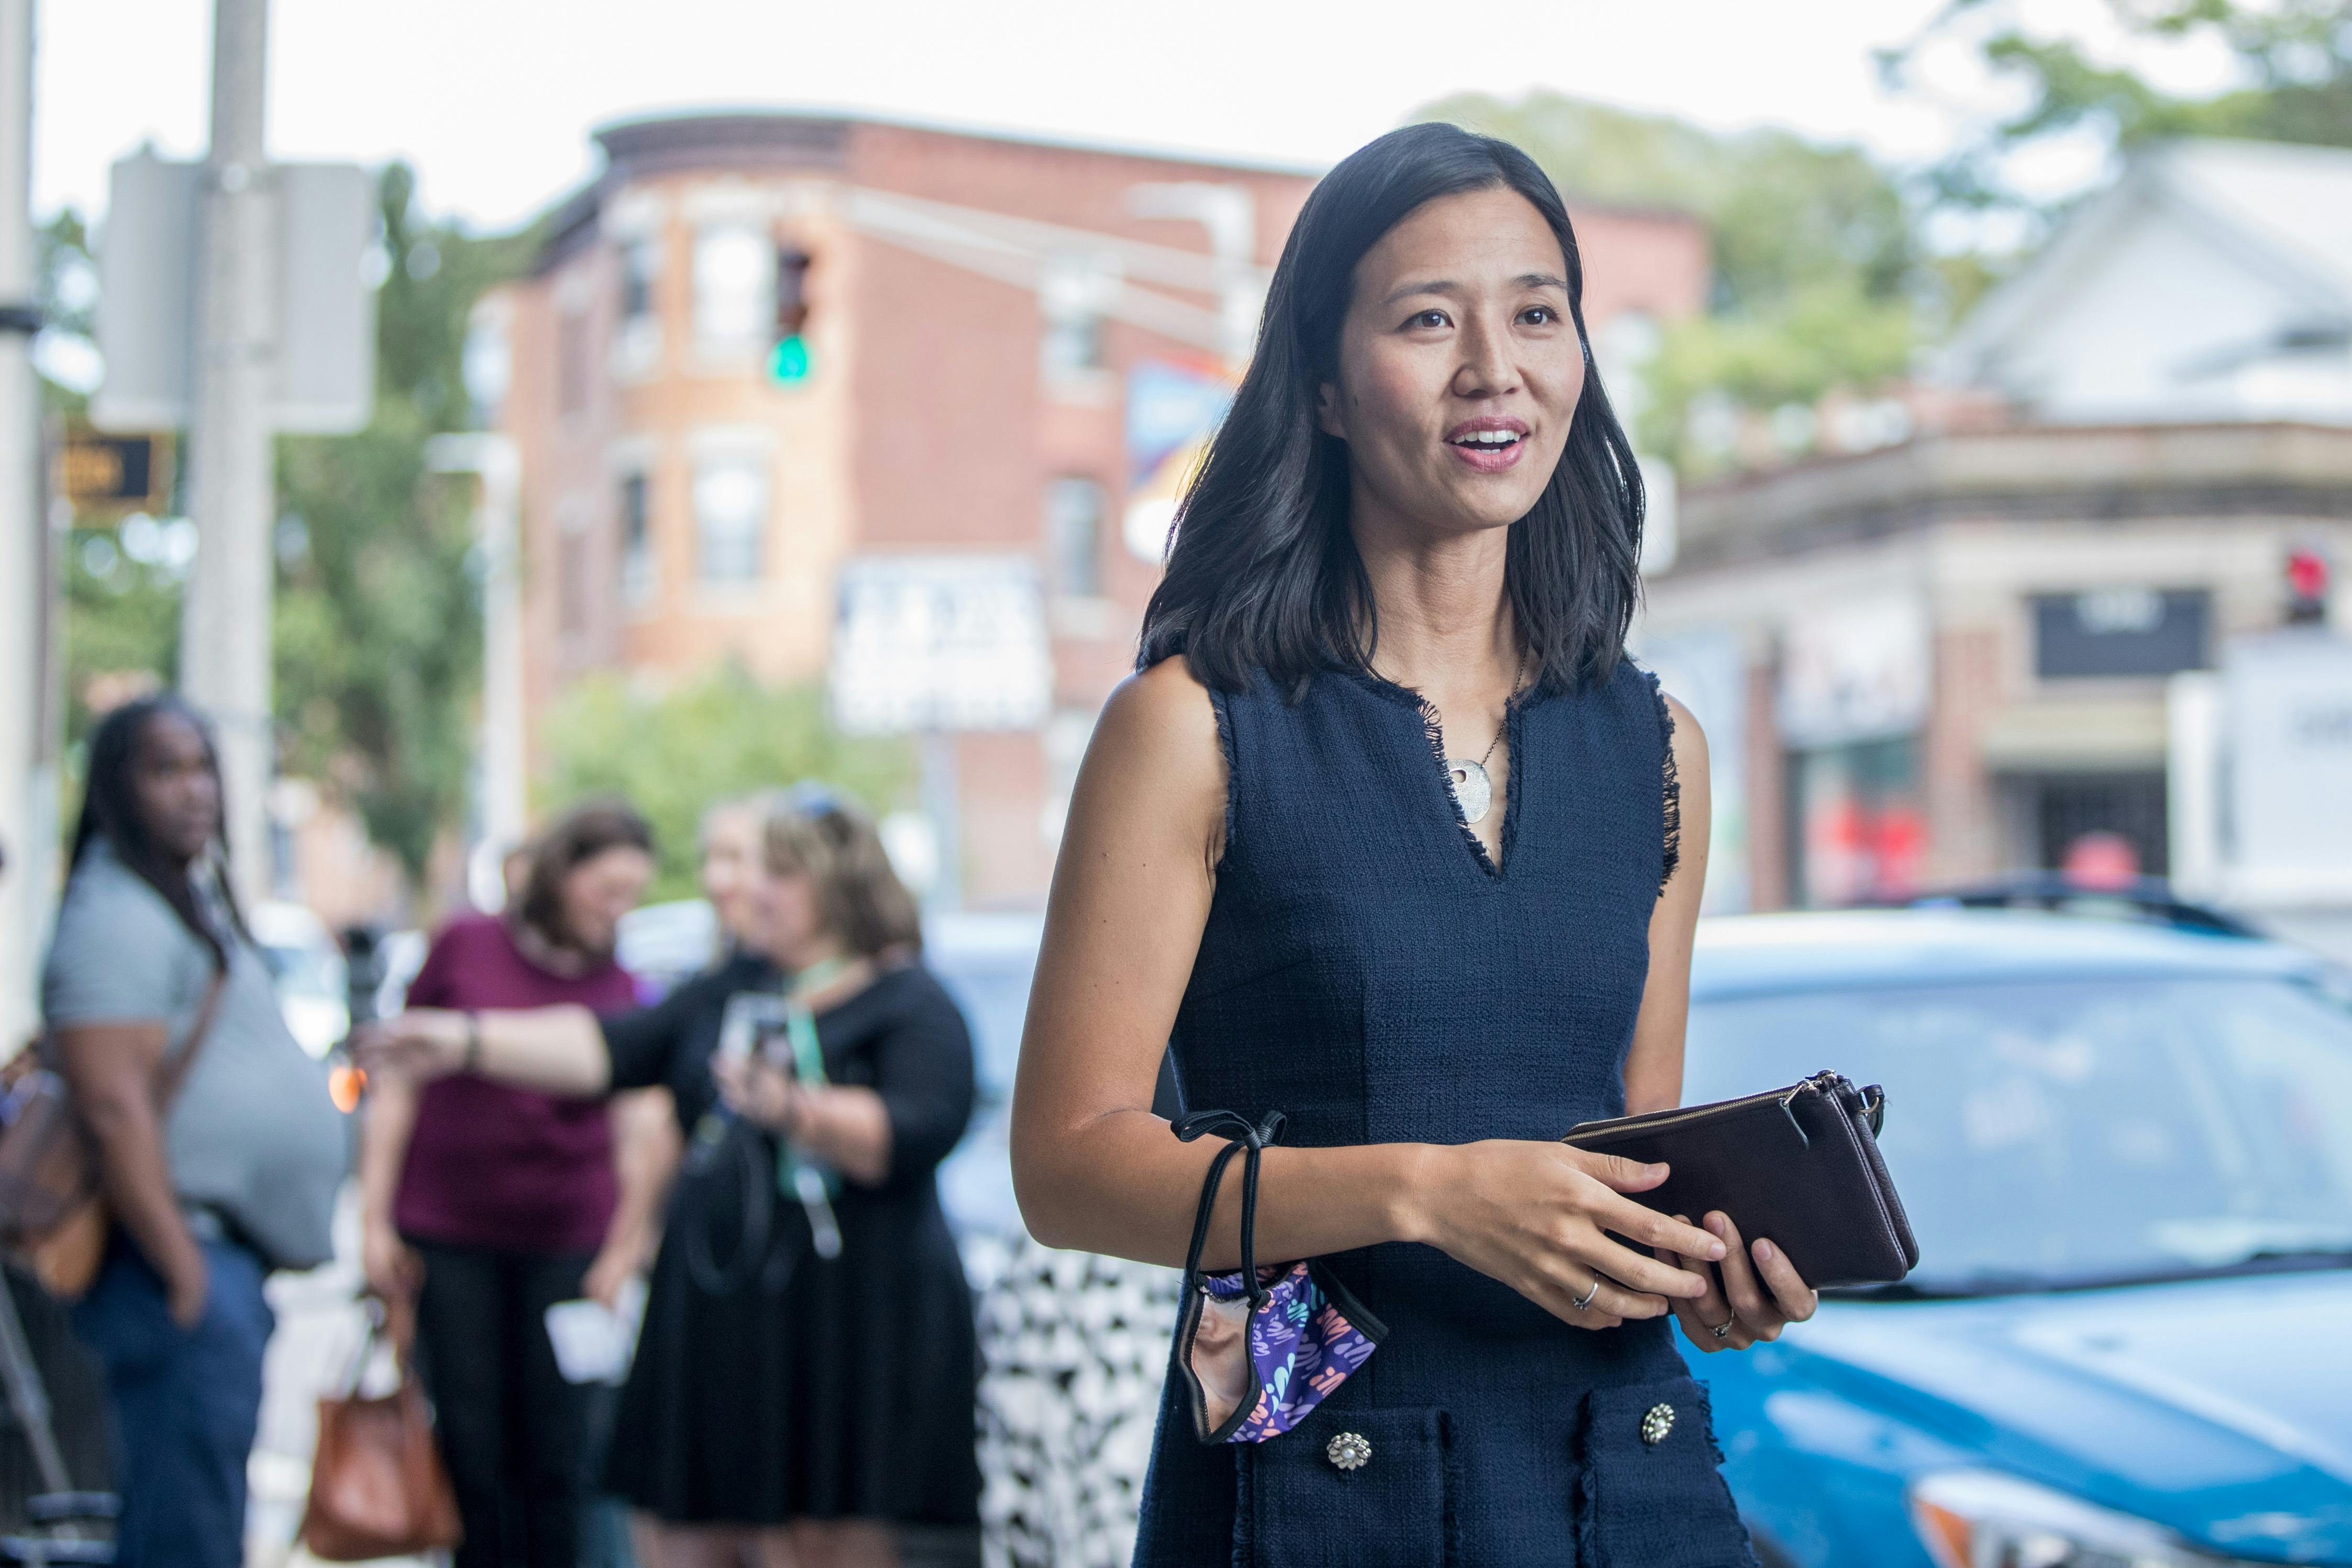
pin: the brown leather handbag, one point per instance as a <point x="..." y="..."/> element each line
<point x="377" y="1485"/>
<point x="52" y="1213"/>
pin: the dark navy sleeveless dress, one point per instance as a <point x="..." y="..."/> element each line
<point x="1366" y="970"/>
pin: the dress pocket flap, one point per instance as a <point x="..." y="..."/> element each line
<point x="1649" y="1449"/>
<point x="1354" y="1489"/>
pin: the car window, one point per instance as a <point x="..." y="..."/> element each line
<point x="2051" y="1132"/>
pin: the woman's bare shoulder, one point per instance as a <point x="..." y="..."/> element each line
<point x="1155" y="752"/>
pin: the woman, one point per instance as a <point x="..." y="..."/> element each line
<point x="238" y="1177"/>
<point x="488" y="1205"/>
<point x="732" y="870"/>
<point x="1384" y="837"/>
<point x="786" y="1406"/>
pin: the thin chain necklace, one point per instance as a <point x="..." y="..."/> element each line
<point x="1474" y="787"/>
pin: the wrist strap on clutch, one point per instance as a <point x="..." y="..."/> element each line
<point x="1249" y="1139"/>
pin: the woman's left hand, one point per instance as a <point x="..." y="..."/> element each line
<point x="1745" y="1302"/>
<point x="757" y="1092"/>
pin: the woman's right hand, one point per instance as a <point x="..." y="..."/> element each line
<point x="393" y="1268"/>
<point x="1534" y="1215"/>
<point x="421" y="1045"/>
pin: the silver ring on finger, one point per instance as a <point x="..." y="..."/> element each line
<point x="1722" y="1331"/>
<point x="1589" y="1295"/>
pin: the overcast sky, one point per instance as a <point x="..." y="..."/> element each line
<point x="493" y="100"/>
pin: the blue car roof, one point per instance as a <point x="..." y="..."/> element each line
<point x="1746" y="955"/>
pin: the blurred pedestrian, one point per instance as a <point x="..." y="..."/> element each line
<point x="732" y="871"/>
<point x="488" y="1203"/>
<point x="804" y="1381"/>
<point x="238" y="1180"/>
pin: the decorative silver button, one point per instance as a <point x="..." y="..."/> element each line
<point x="1656" y="1423"/>
<point x="1349" y="1451"/>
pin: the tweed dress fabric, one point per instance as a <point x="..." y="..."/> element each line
<point x="1367" y="971"/>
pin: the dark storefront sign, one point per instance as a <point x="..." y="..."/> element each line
<point x="2121" y="632"/>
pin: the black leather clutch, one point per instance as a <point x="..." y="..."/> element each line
<point x="1799" y="1167"/>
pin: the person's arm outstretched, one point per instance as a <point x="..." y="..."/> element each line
<point x="1095" y="1169"/>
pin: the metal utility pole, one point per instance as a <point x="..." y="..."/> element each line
<point x="225" y="617"/>
<point x="24" y="829"/>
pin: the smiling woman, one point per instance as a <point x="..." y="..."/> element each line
<point x="1384" y="844"/>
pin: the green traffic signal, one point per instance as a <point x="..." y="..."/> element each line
<point x="789" y="364"/>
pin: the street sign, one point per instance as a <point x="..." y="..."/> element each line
<point x="2286" y="718"/>
<point x="325" y="338"/>
<point x="940" y="642"/>
<point x="105" y="474"/>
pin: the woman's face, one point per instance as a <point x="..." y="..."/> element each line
<point x="786" y="909"/>
<point x="1459" y="364"/>
<point x="599" y="890"/>
<point x="176" y="785"/>
<point x="731" y="870"/>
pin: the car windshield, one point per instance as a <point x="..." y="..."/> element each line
<point x="2047" y="1133"/>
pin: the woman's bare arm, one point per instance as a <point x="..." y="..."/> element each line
<point x="1654" y="1068"/>
<point x="645" y="1151"/>
<point x="560" y="1050"/>
<point x="109" y="1073"/>
<point x="1095" y="1169"/>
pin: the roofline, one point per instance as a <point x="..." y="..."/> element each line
<point x="2149" y="176"/>
<point x="849" y="118"/>
<point x="2044" y="472"/>
<point x="572" y="210"/>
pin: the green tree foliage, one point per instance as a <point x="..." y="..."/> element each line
<point x="606" y="737"/>
<point x="1816" y="273"/>
<point x="2296" y="57"/>
<point x="377" y="631"/>
<point x="377" y="620"/>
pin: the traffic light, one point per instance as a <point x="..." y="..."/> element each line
<point x="2306" y="588"/>
<point x="788" y="362"/>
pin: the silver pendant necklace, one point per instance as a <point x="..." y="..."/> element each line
<point x="1474" y="787"/>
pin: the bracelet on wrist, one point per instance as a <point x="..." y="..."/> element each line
<point x="472" y="1060"/>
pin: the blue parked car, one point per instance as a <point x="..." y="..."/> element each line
<point x="2127" y="1155"/>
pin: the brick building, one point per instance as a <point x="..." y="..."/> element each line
<point x="1928" y="664"/>
<point x="1009" y="348"/>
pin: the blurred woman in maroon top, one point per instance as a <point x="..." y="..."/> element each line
<point x="488" y="1205"/>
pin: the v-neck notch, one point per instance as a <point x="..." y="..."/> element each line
<point x="1433" y="729"/>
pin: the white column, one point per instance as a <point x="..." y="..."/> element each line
<point x="225" y="624"/>
<point x="504" y="808"/>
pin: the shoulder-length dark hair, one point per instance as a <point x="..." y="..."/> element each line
<point x="811" y="830"/>
<point x="109" y="810"/>
<point x="576" y="837"/>
<point x="1264" y="571"/>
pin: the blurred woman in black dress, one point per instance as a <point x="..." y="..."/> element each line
<point x="805" y="1382"/>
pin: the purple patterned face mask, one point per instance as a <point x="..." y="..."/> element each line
<point x="1260" y="1347"/>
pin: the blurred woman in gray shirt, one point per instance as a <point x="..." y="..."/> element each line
<point x="237" y="1178"/>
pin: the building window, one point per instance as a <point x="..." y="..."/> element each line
<point x="572" y="362"/>
<point x="1858" y="822"/>
<point x="637" y="339"/>
<point x="573" y="586"/>
<point x="734" y="287"/>
<point x="1073" y="529"/>
<point x="640" y="265"/>
<point x="731" y="517"/>
<point x="639" y="574"/>
<point x="1075" y="295"/>
<point x="2126" y="632"/>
